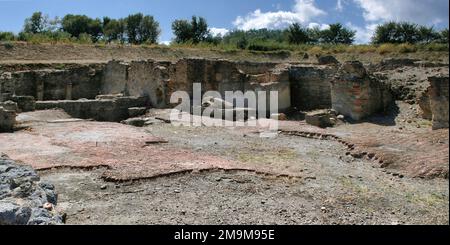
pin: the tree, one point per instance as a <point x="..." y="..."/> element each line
<point x="407" y="32"/>
<point x="133" y="23"/>
<point x="215" y="40"/>
<point x="314" y="35"/>
<point x="76" y="24"/>
<point x="7" y="36"/>
<point x="114" y="30"/>
<point x="242" y="43"/>
<point x="337" y="34"/>
<point x="195" y="31"/>
<point x="95" y="29"/>
<point x="37" y="23"/>
<point x="385" y="33"/>
<point x="182" y="30"/>
<point x="427" y="34"/>
<point x="404" y="32"/>
<point x="79" y="24"/>
<point x="443" y="36"/>
<point x="106" y="21"/>
<point x="140" y="29"/>
<point x="149" y="31"/>
<point x="200" y="29"/>
<point x="297" y="34"/>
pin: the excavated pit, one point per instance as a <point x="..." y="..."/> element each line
<point x="379" y="162"/>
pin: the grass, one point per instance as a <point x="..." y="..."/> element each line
<point x="269" y="47"/>
<point x="427" y="200"/>
<point x="386" y="48"/>
<point x="356" y="192"/>
<point x="274" y="52"/>
<point x="406" y="48"/>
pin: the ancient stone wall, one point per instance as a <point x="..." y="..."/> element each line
<point x="115" y="77"/>
<point x="434" y="102"/>
<point x="310" y="86"/>
<point x="306" y="87"/>
<point x="255" y="68"/>
<point x="7" y="119"/>
<point x="51" y="84"/>
<point x="158" y="80"/>
<point x="111" y="110"/>
<point x="273" y="80"/>
<point x="148" y="79"/>
<point x="357" y="95"/>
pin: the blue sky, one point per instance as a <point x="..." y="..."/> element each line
<point x="223" y="15"/>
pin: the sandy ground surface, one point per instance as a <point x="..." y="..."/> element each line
<point x="19" y="52"/>
<point x="109" y="173"/>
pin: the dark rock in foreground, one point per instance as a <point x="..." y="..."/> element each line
<point x="24" y="199"/>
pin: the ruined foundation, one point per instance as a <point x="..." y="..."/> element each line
<point x="304" y="87"/>
<point x="83" y="90"/>
<point x="111" y="110"/>
<point x="335" y="141"/>
<point x="357" y="95"/>
<point x="434" y="102"/>
<point x="7" y="119"/>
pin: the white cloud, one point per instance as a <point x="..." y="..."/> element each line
<point x="317" y="25"/>
<point x="164" y="43"/>
<point x="302" y="12"/>
<point x="339" y="5"/>
<point x="218" y="31"/>
<point x="363" y="34"/>
<point x="419" y="11"/>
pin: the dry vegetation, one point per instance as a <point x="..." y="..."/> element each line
<point x="293" y="53"/>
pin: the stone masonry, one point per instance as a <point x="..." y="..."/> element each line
<point x="356" y="94"/>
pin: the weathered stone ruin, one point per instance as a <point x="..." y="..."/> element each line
<point x="356" y="94"/>
<point x="327" y="60"/>
<point x="24" y="199"/>
<point x="434" y="102"/>
<point x="322" y="118"/>
<point x="111" y="110"/>
<point x="24" y="103"/>
<point x="310" y="86"/>
<point x="10" y="105"/>
<point x="84" y="91"/>
<point x="118" y="90"/>
<point x="7" y="119"/>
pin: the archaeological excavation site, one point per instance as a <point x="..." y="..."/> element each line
<point x="87" y="136"/>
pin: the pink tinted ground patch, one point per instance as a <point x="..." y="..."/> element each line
<point x="127" y="152"/>
<point x="416" y="152"/>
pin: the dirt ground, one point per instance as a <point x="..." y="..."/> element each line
<point x="110" y="173"/>
<point x="23" y="53"/>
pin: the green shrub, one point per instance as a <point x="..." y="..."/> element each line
<point x="7" y="36"/>
<point x="84" y="38"/>
<point x="39" y="38"/>
<point x="268" y="46"/>
<point x="8" y="45"/>
<point x="242" y="43"/>
<point x="62" y="37"/>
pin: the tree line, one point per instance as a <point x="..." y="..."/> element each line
<point x="139" y="28"/>
<point x="135" y="29"/>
